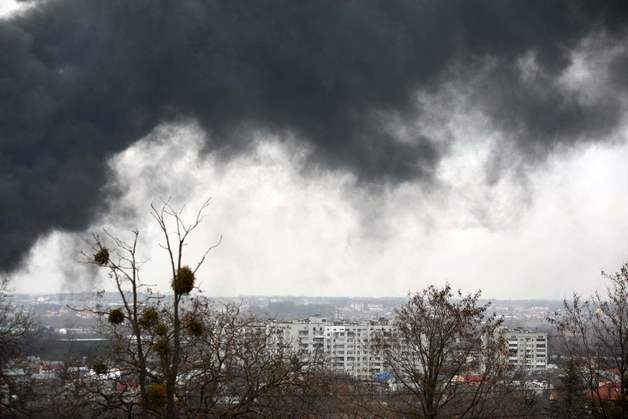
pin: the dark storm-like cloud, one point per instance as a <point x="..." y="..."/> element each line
<point x="81" y="80"/>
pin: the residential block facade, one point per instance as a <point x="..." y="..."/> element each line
<point x="527" y="349"/>
<point x="347" y="347"/>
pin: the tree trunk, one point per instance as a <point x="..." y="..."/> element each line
<point x="174" y="367"/>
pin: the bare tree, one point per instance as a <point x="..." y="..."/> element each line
<point x="438" y="337"/>
<point x="146" y="330"/>
<point x="176" y="231"/>
<point x="120" y="259"/>
<point x="594" y="333"/>
<point x="191" y="357"/>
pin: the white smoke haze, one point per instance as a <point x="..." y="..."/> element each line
<point x="290" y="232"/>
<point x="9" y="8"/>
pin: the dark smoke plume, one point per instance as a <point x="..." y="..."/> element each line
<point x="81" y="80"/>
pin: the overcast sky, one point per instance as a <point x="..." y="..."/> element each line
<point x="518" y="210"/>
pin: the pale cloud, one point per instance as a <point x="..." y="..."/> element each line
<point x="10" y="8"/>
<point x="290" y="232"/>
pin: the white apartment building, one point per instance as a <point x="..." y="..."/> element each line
<point x="526" y="349"/>
<point x="347" y="347"/>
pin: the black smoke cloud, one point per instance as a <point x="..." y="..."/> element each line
<point x="81" y="80"/>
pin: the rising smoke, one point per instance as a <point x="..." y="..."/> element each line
<point x="81" y="80"/>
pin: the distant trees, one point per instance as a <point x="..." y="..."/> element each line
<point x="438" y="338"/>
<point x="594" y="333"/>
<point x="570" y="401"/>
<point x="15" y="325"/>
